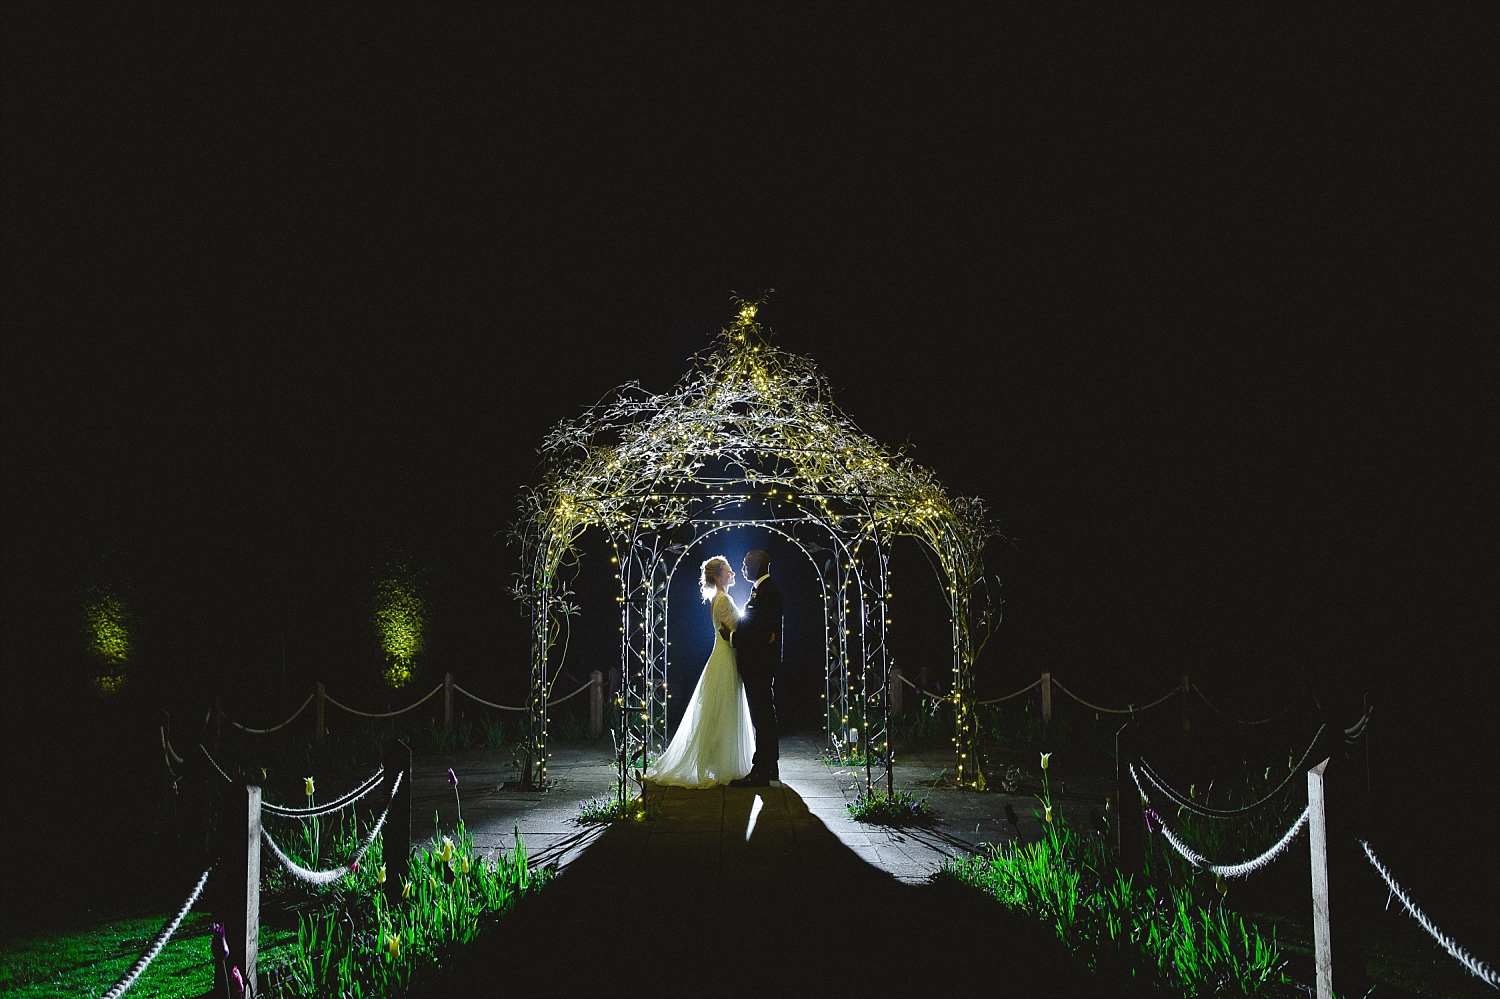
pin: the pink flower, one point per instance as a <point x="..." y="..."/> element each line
<point x="236" y="983"/>
<point x="218" y="946"/>
<point x="452" y="778"/>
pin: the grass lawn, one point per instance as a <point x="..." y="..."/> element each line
<point x="86" y="962"/>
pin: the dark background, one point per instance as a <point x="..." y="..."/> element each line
<point x="1203" y="306"/>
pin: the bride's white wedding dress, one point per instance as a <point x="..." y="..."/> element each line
<point x="714" y="743"/>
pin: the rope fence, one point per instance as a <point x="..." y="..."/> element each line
<point x="273" y="728"/>
<point x="333" y="806"/>
<point x="1479" y="969"/>
<point x="383" y="714"/>
<point x="1132" y="709"/>
<point x="1204" y="697"/>
<point x="586" y="686"/>
<point x="997" y="700"/>
<point x="488" y="704"/>
<point x="158" y="942"/>
<point x="446" y="684"/>
<point x="1184" y="801"/>
<point x="1225" y="870"/>
<point x="209" y="756"/>
<point x="327" y="877"/>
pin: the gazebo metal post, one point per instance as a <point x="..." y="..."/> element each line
<point x="767" y="415"/>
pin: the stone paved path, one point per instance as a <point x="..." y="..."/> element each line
<point x="737" y="891"/>
<point x="493" y="810"/>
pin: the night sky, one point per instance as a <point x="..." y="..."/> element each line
<point x="1204" y="307"/>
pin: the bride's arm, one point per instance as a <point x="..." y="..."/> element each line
<point x="723" y="613"/>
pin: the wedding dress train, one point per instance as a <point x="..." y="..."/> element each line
<point x="714" y="743"/>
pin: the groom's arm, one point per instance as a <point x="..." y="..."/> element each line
<point x="748" y="627"/>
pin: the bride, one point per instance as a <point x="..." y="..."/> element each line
<point x="714" y="742"/>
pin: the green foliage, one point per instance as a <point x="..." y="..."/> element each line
<point x="1161" y="933"/>
<point x="86" y="962"/>
<point x="356" y="943"/>
<point x="400" y="618"/>
<point x="898" y="809"/>
<point x="608" y="808"/>
<point x="108" y="637"/>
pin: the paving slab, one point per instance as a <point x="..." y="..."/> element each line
<point x="737" y="890"/>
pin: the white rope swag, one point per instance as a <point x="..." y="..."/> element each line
<point x="1226" y="870"/>
<point x="144" y="961"/>
<point x="333" y="806"/>
<point x="1479" y="969"/>
<point x="328" y="877"/>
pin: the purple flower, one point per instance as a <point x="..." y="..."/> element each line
<point x="1152" y="820"/>
<point x="218" y="946"/>
<point x="452" y="778"/>
<point x="236" y="983"/>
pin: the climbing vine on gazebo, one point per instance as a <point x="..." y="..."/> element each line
<point x="749" y="437"/>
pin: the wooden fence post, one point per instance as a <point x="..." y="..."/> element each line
<point x="395" y="835"/>
<point x="1047" y="698"/>
<point x="447" y="700"/>
<point x="1317" y="835"/>
<point x="1187" y="718"/>
<point x="318" y="718"/>
<point x="596" y="705"/>
<point x="897" y="694"/>
<point x="241" y="888"/>
<point x="1129" y="818"/>
<point x="1334" y="823"/>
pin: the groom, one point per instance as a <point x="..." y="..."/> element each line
<point x="757" y="646"/>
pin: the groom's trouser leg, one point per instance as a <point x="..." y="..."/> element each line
<point x="763" y="716"/>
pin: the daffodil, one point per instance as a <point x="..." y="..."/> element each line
<point x="307" y="786"/>
<point x="1045" y="758"/>
<point x="393" y="945"/>
<point x="380" y="875"/>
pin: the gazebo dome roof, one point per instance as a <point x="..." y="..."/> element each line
<point x="750" y="413"/>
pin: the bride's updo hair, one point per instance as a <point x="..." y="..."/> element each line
<point x="713" y="571"/>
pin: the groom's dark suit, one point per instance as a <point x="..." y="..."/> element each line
<point x="758" y="657"/>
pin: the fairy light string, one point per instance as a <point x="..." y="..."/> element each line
<point x="749" y="437"/>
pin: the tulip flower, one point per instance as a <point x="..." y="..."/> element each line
<point x="1222" y="885"/>
<point x="406" y="889"/>
<point x="354" y="867"/>
<point x="218" y="945"/>
<point x="463" y="865"/>
<point x="1045" y="758"/>
<point x="393" y="945"/>
<point x="1049" y="813"/>
<point x="380" y="875"/>
<point x="307" y="786"/>
<point x="236" y="983"/>
<point x="453" y="783"/>
<point x="445" y="852"/>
